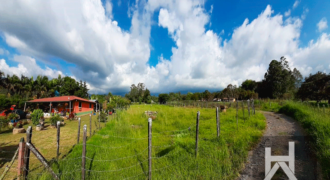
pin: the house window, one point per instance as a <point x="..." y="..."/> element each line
<point x="79" y="104"/>
<point x="90" y="105"/>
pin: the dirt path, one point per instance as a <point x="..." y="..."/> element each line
<point x="280" y="130"/>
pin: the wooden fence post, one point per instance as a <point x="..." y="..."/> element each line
<point x="41" y="159"/>
<point x="21" y="149"/>
<point x="248" y="104"/>
<point x="237" y="114"/>
<point x="243" y="109"/>
<point x="27" y="153"/>
<point x="99" y="120"/>
<point x="149" y="146"/>
<point x="58" y="138"/>
<point x="78" y="136"/>
<point x="197" y="130"/>
<point x="83" y="171"/>
<point x="218" y="125"/>
<point x="90" y="125"/>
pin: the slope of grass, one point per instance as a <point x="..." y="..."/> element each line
<point x="119" y="150"/>
<point x="317" y="124"/>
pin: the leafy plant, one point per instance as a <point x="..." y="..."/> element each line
<point x="12" y="116"/>
<point x="36" y="115"/>
<point x="55" y="118"/>
<point x="103" y="117"/>
<point x="3" y="122"/>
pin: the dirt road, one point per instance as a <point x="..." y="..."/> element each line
<point x="280" y="130"/>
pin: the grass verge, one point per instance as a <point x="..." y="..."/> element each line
<point x="316" y="122"/>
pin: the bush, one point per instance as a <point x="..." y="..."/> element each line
<point x="12" y="116"/>
<point x="54" y="119"/>
<point x="36" y="115"/>
<point x="103" y="117"/>
<point x="3" y="122"/>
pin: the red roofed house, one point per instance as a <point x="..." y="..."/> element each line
<point x="64" y="104"/>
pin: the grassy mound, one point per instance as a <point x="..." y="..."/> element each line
<point x="119" y="150"/>
<point x="317" y="124"/>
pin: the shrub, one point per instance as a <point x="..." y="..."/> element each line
<point x="36" y="115"/>
<point x="3" y="122"/>
<point x="103" y="117"/>
<point x="54" y="119"/>
<point x="12" y="116"/>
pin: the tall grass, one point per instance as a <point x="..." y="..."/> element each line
<point x="316" y="122"/>
<point x="119" y="150"/>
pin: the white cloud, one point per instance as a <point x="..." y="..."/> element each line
<point x="27" y="66"/>
<point x="287" y="13"/>
<point x="323" y="24"/>
<point x="109" y="58"/>
<point x="296" y="3"/>
<point x="4" y="52"/>
<point x="305" y="12"/>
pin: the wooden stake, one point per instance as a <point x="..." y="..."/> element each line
<point x="149" y="146"/>
<point x="41" y="159"/>
<point x="78" y="136"/>
<point x="90" y="125"/>
<point x="197" y="130"/>
<point x="83" y="171"/>
<point x="21" y="150"/>
<point x="237" y="115"/>
<point x="218" y="125"/>
<point x="27" y="153"/>
<point x="58" y="138"/>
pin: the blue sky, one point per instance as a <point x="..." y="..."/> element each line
<point x="187" y="45"/>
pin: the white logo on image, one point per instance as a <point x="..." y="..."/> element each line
<point x="280" y="162"/>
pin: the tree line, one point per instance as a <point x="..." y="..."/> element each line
<point x="279" y="81"/>
<point x="17" y="90"/>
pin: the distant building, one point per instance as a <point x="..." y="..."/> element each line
<point x="229" y="99"/>
<point x="216" y="99"/>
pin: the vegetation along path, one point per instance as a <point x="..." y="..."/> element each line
<point x="280" y="130"/>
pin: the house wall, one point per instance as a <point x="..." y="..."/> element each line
<point x="75" y="108"/>
<point x="84" y="107"/>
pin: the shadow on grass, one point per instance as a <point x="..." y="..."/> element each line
<point x="6" y="153"/>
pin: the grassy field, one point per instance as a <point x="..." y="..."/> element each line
<point x="44" y="141"/>
<point x="316" y="122"/>
<point x="119" y="150"/>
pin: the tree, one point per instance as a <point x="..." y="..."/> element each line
<point x="249" y="85"/>
<point x="279" y="78"/>
<point x="147" y="96"/>
<point x="163" y="98"/>
<point x="298" y="78"/>
<point x="315" y="87"/>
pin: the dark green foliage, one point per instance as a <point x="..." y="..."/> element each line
<point x="36" y="116"/>
<point x="3" y="122"/>
<point x="55" y="118"/>
<point x="249" y="85"/>
<point x="12" y="116"/>
<point x="103" y="117"/>
<point x="315" y="87"/>
<point x="162" y="98"/>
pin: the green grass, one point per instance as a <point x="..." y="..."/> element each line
<point x="119" y="150"/>
<point x="316" y="122"/>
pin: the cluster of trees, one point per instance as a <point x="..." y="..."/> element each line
<point x="110" y="101"/>
<point x="16" y="90"/>
<point x="40" y="87"/>
<point x="139" y="93"/>
<point x="315" y="87"/>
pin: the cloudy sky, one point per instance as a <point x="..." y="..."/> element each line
<point x="170" y="45"/>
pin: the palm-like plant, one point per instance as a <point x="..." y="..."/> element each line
<point x="41" y="85"/>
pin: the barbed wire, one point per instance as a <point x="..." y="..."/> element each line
<point x="117" y="158"/>
<point x="118" y="169"/>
